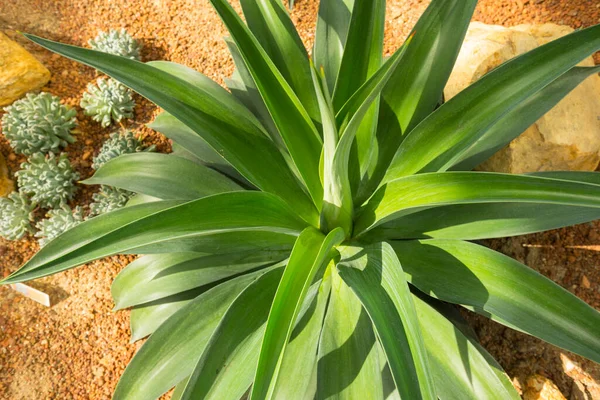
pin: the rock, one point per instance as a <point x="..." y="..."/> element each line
<point x="6" y="185"/>
<point x="20" y="72"/>
<point x="539" y="387"/>
<point x="568" y="136"/>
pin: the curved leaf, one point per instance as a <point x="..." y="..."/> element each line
<point x="461" y="368"/>
<point x="162" y="175"/>
<point x="482" y="221"/>
<point x="270" y="23"/>
<point x="228" y="363"/>
<point x="173" y="350"/>
<point x="375" y="275"/>
<point x="502" y="289"/>
<point x="439" y="141"/>
<point x="409" y="194"/>
<point x="311" y="252"/>
<point x="349" y="366"/>
<point x="518" y="120"/>
<point x="293" y="122"/>
<point x="297" y="377"/>
<point x="431" y="54"/>
<point x="233" y="135"/>
<point x="237" y="221"/>
<point x="330" y="37"/>
<point x="156" y="276"/>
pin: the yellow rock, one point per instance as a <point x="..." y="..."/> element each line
<point x="6" y="185"/>
<point x="541" y="388"/>
<point x="568" y="136"/>
<point x="20" y="72"/>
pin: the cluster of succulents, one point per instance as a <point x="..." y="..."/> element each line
<point x="39" y="126"/>
<point x="59" y="220"/>
<point x="16" y="216"/>
<point x="107" y="100"/>
<point x="49" y="180"/>
<point x="118" y="42"/>
<point x="38" y="123"/>
<point x="108" y="199"/>
<point x="117" y="144"/>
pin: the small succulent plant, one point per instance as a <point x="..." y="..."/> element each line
<point x="58" y="221"/>
<point x="49" y="180"/>
<point x="108" y="199"/>
<point x="107" y="100"/>
<point x="16" y="215"/>
<point x="118" y="144"/>
<point x="118" y="42"/>
<point x="38" y="123"/>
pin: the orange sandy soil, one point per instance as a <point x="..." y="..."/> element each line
<point x="78" y="348"/>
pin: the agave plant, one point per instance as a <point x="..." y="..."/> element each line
<point x="324" y="264"/>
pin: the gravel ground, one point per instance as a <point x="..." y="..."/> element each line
<point x="78" y="348"/>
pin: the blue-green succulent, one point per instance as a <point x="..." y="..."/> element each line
<point x="49" y="180"/>
<point x="108" y="199"/>
<point x="119" y="143"/>
<point x="58" y="221"/>
<point x="118" y="42"/>
<point x="106" y="101"/>
<point x="16" y="215"/>
<point x="38" y="123"/>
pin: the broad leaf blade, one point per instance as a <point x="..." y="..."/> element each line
<point x="162" y="175"/>
<point x="376" y="277"/>
<point x="156" y="276"/>
<point x="439" y="141"/>
<point x="518" y="120"/>
<point x="228" y="363"/>
<point x="295" y="126"/>
<point x="409" y="194"/>
<point x="349" y="366"/>
<point x="238" y="221"/>
<point x="173" y="350"/>
<point x="297" y="377"/>
<point x="235" y="136"/>
<point x="311" y="252"/>
<point x="416" y="87"/>
<point x="330" y="37"/>
<point x="270" y="23"/>
<point x="461" y="368"/>
<point x="502" y="289"/>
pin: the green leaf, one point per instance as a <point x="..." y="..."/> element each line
<point x="431" y="54"/>
<point x="145" y="319"/>
<point x="409" y="194"/>
<point x="183" y="136"/>
<point x="173" y="350"/>
<point x="441" y="139"/>
<point x="482" y="221"/>
<point x="297" y="376"/>
<point x="242" y="86"/>
<point x="461" y="368"/>
<point x="502" y="289"/>
<point x="330" y="37"/>
<point x="237" y="221"/>
<point x="363" y="50"/>
<point x="227" y="365"/>
<point x="349" y="366"/>
<point x="162" y="175"/>
<point x="178" y="392"/>
<point x="233" y="135"/>
<point x="270" y="23"/>
<point x="295" y="126"/>
<point x="156" y="276"/>
<point x="375" y="275"/>
<point x="363" y="56"/>
<point x="311" y="252"/>
<point x="519" y="119"/>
